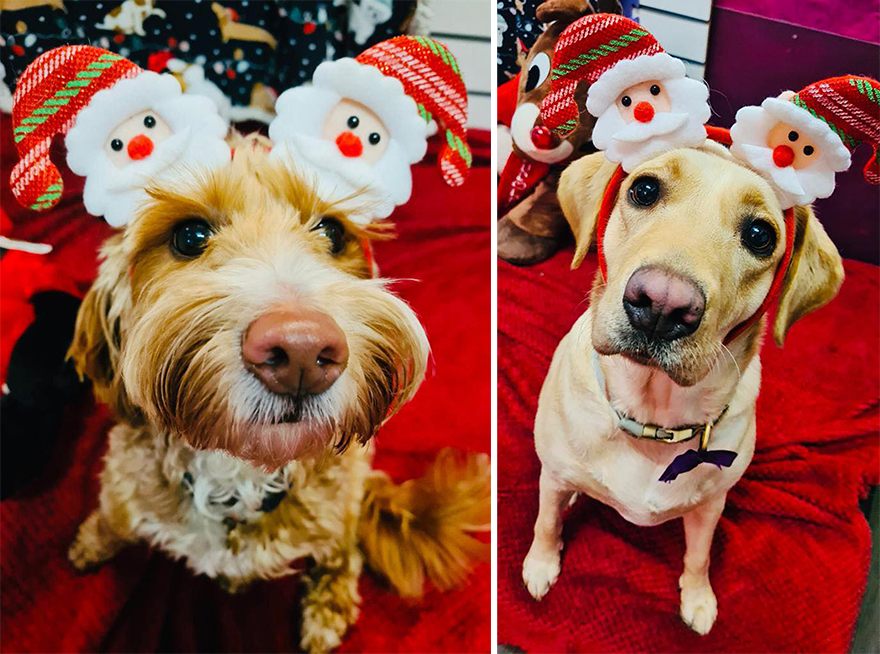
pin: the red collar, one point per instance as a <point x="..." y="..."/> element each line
<point x="609" y="199"/>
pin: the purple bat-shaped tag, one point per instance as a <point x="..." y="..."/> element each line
<point x="689" y="460"/>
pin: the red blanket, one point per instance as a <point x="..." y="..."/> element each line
<point x="142" y="601"/>
<point x="791" y="553"/>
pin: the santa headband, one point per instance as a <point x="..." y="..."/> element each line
<point x="631" y="80"/>
<point x="86" y="93"/>
<point x="415" y="87"/>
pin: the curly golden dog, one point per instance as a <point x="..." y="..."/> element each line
<point x="237" y="331"/>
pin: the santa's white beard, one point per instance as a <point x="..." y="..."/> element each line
<point x="794" y="187"/>
<point x="365" y="191"/>
<point x="117" y="193"/>
<point x="631" y="144"/>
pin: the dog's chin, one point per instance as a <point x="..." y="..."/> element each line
<point x="271" y="445"/>
<point x="665" y="357"/>
<point x="275" y="445"/>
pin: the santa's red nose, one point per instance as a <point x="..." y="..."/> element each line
<point x="140" y="147"/>
<point x="543" y="138"/>
<point x="643" y="112"/>
<point x="349" y="144"/>
<point x="783" y="156"/>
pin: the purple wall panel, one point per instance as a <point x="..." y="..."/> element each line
<point x="856" y="19"/>
<point x="751" y="58"/>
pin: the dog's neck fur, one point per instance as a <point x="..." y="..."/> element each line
<point x="648" y="395"/>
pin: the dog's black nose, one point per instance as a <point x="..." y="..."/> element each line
<point x="663" y="305"/>
<point x="295" y="352"/>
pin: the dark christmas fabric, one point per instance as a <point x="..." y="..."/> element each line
<point x="518" y="29"/>
<point x="240" y="45"/>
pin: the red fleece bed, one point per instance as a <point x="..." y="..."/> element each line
<point x="143" y="601"/>
<point x="791" y="553"/>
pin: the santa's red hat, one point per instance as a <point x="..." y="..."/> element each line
<point x="49" y="96"/>
<point x="608" y="52"/>
<point x="410" y="82"/>
<point x="837" y="113"/>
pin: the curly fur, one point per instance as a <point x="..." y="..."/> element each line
<point x="200" y="444"/>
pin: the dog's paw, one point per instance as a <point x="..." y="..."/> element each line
<point x="82" y="556"/>
<point x="540" y="571"/>
<point x="323" y="629"/>
<point x="699" y="608"/>
<point x="94" y="544"/>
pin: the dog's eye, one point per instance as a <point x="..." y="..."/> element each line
<point x="645" y="191"/>
<point x="759" y="237"/>
<point x="190" y="237"/>
<point x="538" y="71"/>
<point x="655" y="89"/>
<point x="149" y="122"/>
<point x="335" y="233"/>
<point x="626" y="101"/>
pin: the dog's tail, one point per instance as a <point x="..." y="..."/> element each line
<point x="424" y="527"/>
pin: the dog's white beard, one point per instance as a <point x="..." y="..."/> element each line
<point x="367" y="191"/>
<point x="793" y="187"/>
<point x="631" y="144"/>
<point x="116" y="193"/>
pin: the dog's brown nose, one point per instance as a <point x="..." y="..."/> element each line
<point x="295" y="352"/>
<point x="663" y="305"/>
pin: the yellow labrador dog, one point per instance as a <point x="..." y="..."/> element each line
<point x="692" y="247"/>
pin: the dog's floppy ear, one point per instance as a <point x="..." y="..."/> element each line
<point x="814" y="276"/>
<point x="96" y="341"/>
<point x="581" y="187"/>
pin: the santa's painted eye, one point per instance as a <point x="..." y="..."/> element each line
<point x="375" y="138"/>
<point x="149" y="122"/>
<point x="645" y="191"/>
<point x="353" y="122"/>
<point x="793" y="136"/>
<point x="759" y="237"/>
<point x="626" y="101"/>
<point x="808" y="150"/>
<point x="655" y="90"/>
<point x="539" y="69"/>
<point x="116" y="144"/>
<point x="335" y="233"/>
<point x="190" y="237"/>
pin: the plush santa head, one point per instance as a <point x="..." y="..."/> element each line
<point x="357" y="129"/>
<point x="643" y="102"/>
<point x="799" y="141"/>
<point x="125" y="128"/>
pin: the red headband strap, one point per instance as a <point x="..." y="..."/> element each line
<point x="367" y="247"/>
<point x="609" y="199"/>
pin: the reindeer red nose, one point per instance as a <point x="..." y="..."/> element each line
<point x="643" y="112"/>
<point x="783" y="156"/>
<point x="349" y="144"/>
<point x="140" y="147"/>
<point x="543" y="138"/>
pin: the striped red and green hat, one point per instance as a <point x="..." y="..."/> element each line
<point x="430" y="75"/>
<point x="610" y="53"/>
<point x="838" y="113"/>
<point x="49" y="95"/>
